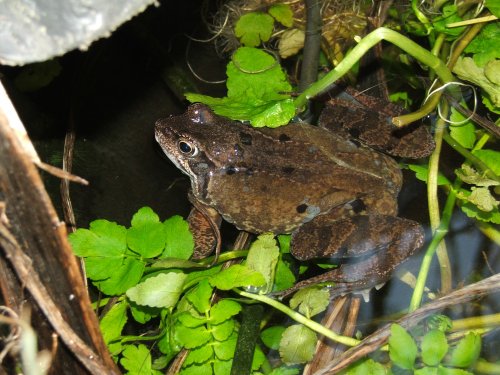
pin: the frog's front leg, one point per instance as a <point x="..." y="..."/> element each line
<point x="369" y="248"/>
<point x="204" y="223"/>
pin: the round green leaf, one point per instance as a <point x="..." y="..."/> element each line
<point x="297" y="344"/>
<point x="434" y="347"/>
<point x="402" y="347"/>
<point x="467" y="351"/>
<point x="162" y="290"/>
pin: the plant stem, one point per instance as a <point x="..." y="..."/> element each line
<point x="433" y="202"/>
<point x="312" y="45"/>
<point x="349" y="341"/>
<point x="439" y="234"/>
<point x="476" y="322"/>
<point x="485" y="367"/>
<point x="376" y="36"/>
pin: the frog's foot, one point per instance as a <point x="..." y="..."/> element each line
<point x="372" y="245"/>
<point x="369" y="120"/>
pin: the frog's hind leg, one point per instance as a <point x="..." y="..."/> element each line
<point x="373" y="245"/>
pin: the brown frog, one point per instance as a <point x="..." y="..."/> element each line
<point x="336" y="196"/>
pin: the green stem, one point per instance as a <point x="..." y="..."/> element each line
<point x="439" y="234"/>
<point x="349" y="341"/>
<point x="376" y="36"/>
<point x="484" y="367"/>
<point x="476" y="322"/>
<point x="433" y="202"/>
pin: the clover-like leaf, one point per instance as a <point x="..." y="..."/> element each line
<point x="402" y="347"/>
<point x="310" y="300"/>
<point x="112" y="325"/>
<point x="282" y="13"/>
<point x="297" y="344"/>
<point x="179" y="240"/>
<point x="237" y="276"/>
<point x="254" y="28"/>
<point x="467" y="351"/>
<point x="137" y="360"/>
<point x="434" y="347"/>
<point x="263" y="257"/>
<point x="223" y="310"/>
<point x="271" y="336"/>
<point x="147" y="235"/>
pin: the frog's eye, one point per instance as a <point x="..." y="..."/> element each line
<point x="187" y="148"/>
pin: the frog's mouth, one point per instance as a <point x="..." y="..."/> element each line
<point x="166" y="140"/>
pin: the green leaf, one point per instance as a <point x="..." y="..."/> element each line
<point x="282" y="13"/>
<point x="162" y="290"/>
<point x="493" y="6"/>
<point x="466" y="353"/>
<point x="466" y="69"/>
<point x="434" y="347"/>
<point x="102" y="239"/>
<point x="483" y="199"/>
<point x="112" y="325"/>
<point x="275" y="114"/>
<point x="491" y="158"/>
<point x="258" y="90"/>
<point x="223" y="310"/>
<point x="114" y="275"/>
<point x="224" y="350"/>
<point x="180" y="243"/>
<point x="137" y="360"/>
<point x="421" y="172"/>
<point x="146" y="236"/>
<point x="222" y="367"/>
<point x="199" y="355"/>
<point x="367" y="366"/>
<point x="440" y="322"/>
<point x="258" y="358"/>
<point x="191" y="321"/>
<point x="297" y="344"/>
<point x="111" y="267"/>
<point x="263" y="257"/>
<point x="200" y="296"/>
<point x="205" y="368"/>
<point x="484" y="46"/>
<point x="284" y="370"/>
<point x="473" y="211"/>
<point x="311" y="300"/>
<point x="255" y="74"/>
<point x="143" y="314"/>
<point x="427" y="371"/>
<point x="284" y="278"/>
<point x="464" y="133"/>
<point x="221" y="332"/>
<point x="271" y="337"/>
<point x="449" y="15"/>
<point x="402" y="347"/>
<point x="452" y="371"/>
<point x="284" y="242"/>
<point x="472" y="177"/>
<point x="191" y="337"/>
<point x="237" y="276"/>
<point x="252" y="28"/>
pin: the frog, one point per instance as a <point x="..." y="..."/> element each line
<point x="334" y="194"/>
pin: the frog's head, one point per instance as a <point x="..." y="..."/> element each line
<point x="198" y="142"/>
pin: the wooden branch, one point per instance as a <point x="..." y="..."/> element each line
<point x="380" y="337"/>
<point x="31" y="220"/>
